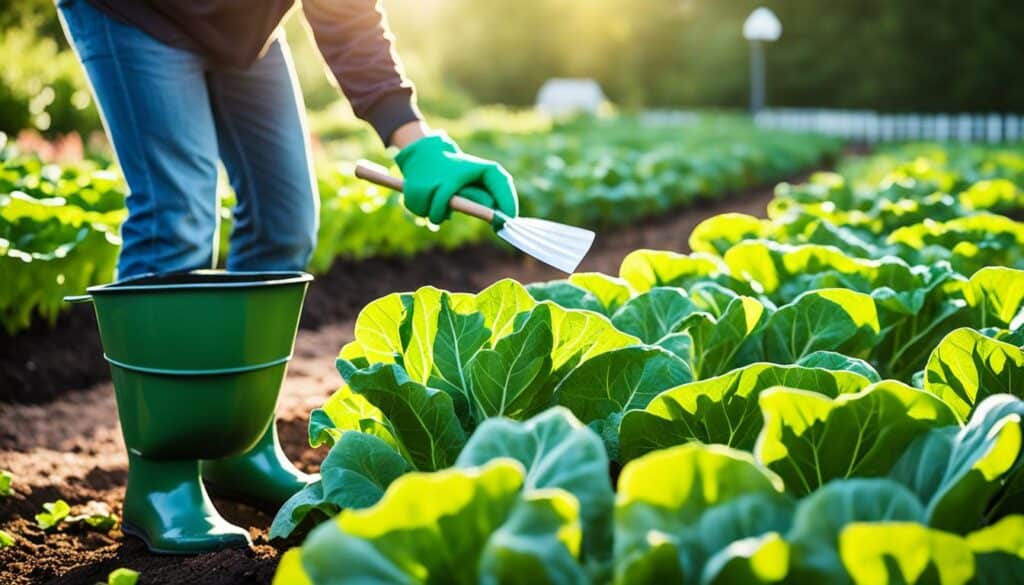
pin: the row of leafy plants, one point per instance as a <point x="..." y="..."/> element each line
<point x="59" y="223"/>
<point x="770" y="408"/>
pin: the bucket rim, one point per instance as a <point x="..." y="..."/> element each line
<point x="203" y="280"/>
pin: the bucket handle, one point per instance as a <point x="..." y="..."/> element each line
<point x="78" y="299"/>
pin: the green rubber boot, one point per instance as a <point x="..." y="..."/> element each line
<point x="167" y="507"/>
<point x="262" y="476"/>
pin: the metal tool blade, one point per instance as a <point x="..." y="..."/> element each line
<point x="554" y="244"/>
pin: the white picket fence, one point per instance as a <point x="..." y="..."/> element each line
<point x="870" y="126"/>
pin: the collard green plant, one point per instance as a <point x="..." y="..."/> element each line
<point x="755" y="391"/>
<point x="474" y="525"/>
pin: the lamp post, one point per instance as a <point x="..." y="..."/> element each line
<point x="762" y="26"/>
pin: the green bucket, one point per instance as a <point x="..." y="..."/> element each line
<point x="197" y="361"/>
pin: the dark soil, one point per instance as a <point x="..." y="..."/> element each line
<point x="71" y="448"/>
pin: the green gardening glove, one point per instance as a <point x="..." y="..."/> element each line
<point x="435" y="170"/>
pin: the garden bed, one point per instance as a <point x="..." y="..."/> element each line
<point x="82" y="458"/>
<point x="74" y="358"/>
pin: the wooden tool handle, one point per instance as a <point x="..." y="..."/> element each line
<point x="378" y="175"/>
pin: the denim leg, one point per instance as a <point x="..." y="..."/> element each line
<point x="264" y="144"/>
<point x="157" y="112"/>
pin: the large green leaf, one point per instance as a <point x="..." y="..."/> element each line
<point x="538" y="543"/>
<point x="456" y="526"/>
<point x="500" y="303"/>
<point x="422" y="420"/>
<point x="772" y="266"/>
<point x="508" y="380"/>
<point x="967" y="366"/>
<point x="654" y="314"/>
<point x="620" y="380"/>
<point x="914" y="316"/>
<point x="580" y="336"/>
<point x="723" y="409"/>
<point x="810" y="439"/>
<point x="996" y="295"/>
<point x="678" y="507"/>
<point x="999" y="551"/>
<point x="716" y="342"/>
<point x="355" y="474"/>
<point x="821" y="517"/>
<point x="646" y="269"/>
<point x="718" y="233"/>
<point x="609" y="292"/>
<point x="458" y="340"/>
<point x="377" y="336"/>
<point x="838" y="320"/>
<point x="904" y="553"/>
<point x="749" y="561"/>
<point x="957" y="472"/>
<point x="557" y="451"/>
<point x="422" y="323"/>
<point x="712" y="297"/>
<point x="343" y="411"/>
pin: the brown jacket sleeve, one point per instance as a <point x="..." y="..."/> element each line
<point x="354" y="39"/>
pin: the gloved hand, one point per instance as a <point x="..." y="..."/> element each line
<point x="435" y="169"/>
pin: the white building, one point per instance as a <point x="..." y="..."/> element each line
<point x="561" y="96"/>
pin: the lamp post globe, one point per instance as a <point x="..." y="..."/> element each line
<point x="762" y="26"/>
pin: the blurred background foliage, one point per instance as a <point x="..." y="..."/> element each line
<point x="890" y="55"/>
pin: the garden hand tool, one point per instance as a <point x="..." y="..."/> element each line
<point x="558" y="245"/>
<point x="197" y="360"/>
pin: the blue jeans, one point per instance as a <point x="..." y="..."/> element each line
<point x="171" y="116"/>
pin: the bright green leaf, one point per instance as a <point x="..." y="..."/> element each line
<point x="355" y="474"/>
<point x="459" y="339"/>
<point x="999" y="551"/>
<point x="997" y="296"/>
<point x="646" y="269"/>
<point x="54" y="513"/>
<point x="654" y="314"/>
<point x="723" y="409"/>
<point x="822" y="516"/>
<point x="556" y="451"/>
<point x="718" y="233"/>
<point x="810" y="439"/>
<point x="838" y="320"/>
<point x="346" y="410"/>
<point x="904" y="553"/>
<point x="677" y="507"/>
<point x="609" y="291"/>
<point x="620" y="380"/>
<point x="123" y="576"/>
<point x="957" y="472"/>
<point x="422" y="420"/>
<point x="454" y="526"/>
<point x="716" y="342"/>
<point x="967" y="366"/>
<point x="508" y="380"/>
